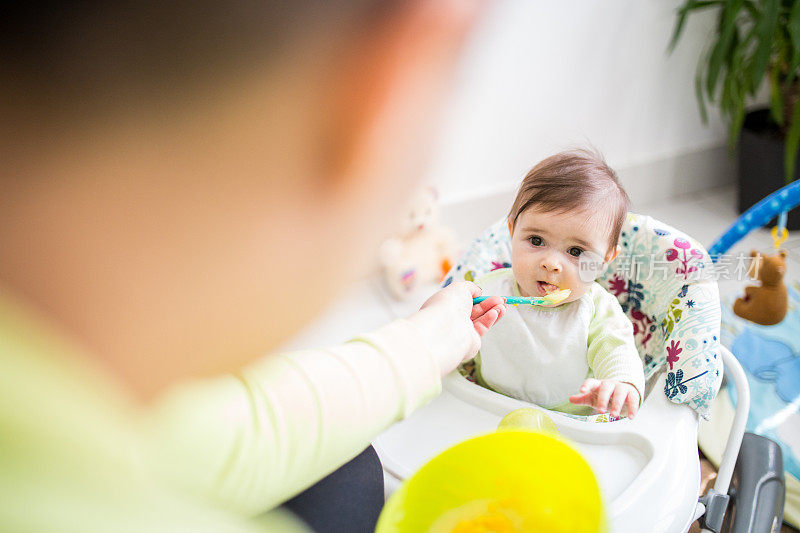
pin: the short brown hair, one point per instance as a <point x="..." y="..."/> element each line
<point x="575" y="179"/>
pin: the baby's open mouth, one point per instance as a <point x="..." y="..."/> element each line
<point x="546" y="288"/>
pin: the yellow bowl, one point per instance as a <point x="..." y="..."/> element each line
<point x="509" y="481"/>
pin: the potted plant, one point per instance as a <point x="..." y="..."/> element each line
<point x="754" y="40"/>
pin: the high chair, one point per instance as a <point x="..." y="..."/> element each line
<point x="648" y="468"/>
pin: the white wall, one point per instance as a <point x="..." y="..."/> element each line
<point x="540" y="76"/>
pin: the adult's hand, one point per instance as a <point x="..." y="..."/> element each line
<point x="452" y="326"/>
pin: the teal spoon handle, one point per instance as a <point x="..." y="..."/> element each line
<point x="514" y="300"/>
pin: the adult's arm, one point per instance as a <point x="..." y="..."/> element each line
<point x="251" y="440"/>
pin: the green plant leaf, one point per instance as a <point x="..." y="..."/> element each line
<point x="726" y="29"/>
<point x="781" y="53"/>
<point x="791" y="145"/>
<point x="698" y="89"/>
<point x="793" y="66"/>
<point x="775" y="97"/>
<point x="775" y="73"/>
<point x="765" y="30"/>
<point x="737" y="118"/>
<point x="683" y="12"/>
<point x="732" y="97"/>
<point x="751" y="8"/>
<point x="793" y="27"/>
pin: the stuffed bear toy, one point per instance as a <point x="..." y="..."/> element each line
<point x="423" y="251"/>
<point x="767" y="304"/>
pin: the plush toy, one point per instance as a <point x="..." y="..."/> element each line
<point x="767" y="304"/>
<point x="423" y="251"/>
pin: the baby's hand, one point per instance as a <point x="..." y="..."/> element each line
<point x="608" y="394"/>
<point x="485" y="314"/>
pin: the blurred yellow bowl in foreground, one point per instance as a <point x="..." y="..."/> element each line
<point x="510" y="481"/>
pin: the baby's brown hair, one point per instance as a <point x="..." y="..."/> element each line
<point x="574" y="180"/>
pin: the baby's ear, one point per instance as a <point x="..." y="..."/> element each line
<point x="612" y="254"/>
<point x="510" y="227"/>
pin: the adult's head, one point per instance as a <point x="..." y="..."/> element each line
<point x="186" y="183"/>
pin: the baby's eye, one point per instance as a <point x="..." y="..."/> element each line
<point x="575" y="251"/>
<point x="536" y="240"/>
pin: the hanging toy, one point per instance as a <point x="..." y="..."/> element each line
<point x="766" y="304"/>
<point x="779" y="232"/>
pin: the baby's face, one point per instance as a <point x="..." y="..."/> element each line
<point x="546" y="248"/>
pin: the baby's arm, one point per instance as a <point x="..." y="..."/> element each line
<point x="618" y="374"/>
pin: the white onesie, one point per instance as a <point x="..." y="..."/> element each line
<point x="543" y="355"/>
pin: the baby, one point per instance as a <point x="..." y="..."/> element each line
<point x="578" y="354"/>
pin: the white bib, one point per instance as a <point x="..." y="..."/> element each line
<point x="535" y="353"/>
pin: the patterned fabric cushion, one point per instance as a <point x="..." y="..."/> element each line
<point x="663" y="280"/>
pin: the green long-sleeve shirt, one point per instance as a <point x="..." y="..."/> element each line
<point x="76" y="454"/>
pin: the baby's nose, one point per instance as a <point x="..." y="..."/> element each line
<point x="551" y="264"/>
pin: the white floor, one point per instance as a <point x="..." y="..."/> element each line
<point x="704" y="216"/>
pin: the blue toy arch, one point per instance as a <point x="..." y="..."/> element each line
<point x="770" y="355"/>
<point x="776" y="203"/>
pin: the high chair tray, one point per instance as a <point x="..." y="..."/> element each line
<point x="648" y="468"/>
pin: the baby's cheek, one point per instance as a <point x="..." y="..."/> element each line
<point x="520" y="267"/>
<point x="578" y="288"/>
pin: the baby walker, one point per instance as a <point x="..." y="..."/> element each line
<point x="647" y="468"/>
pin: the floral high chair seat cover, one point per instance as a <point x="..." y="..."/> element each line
<point x="664" y="283"/>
